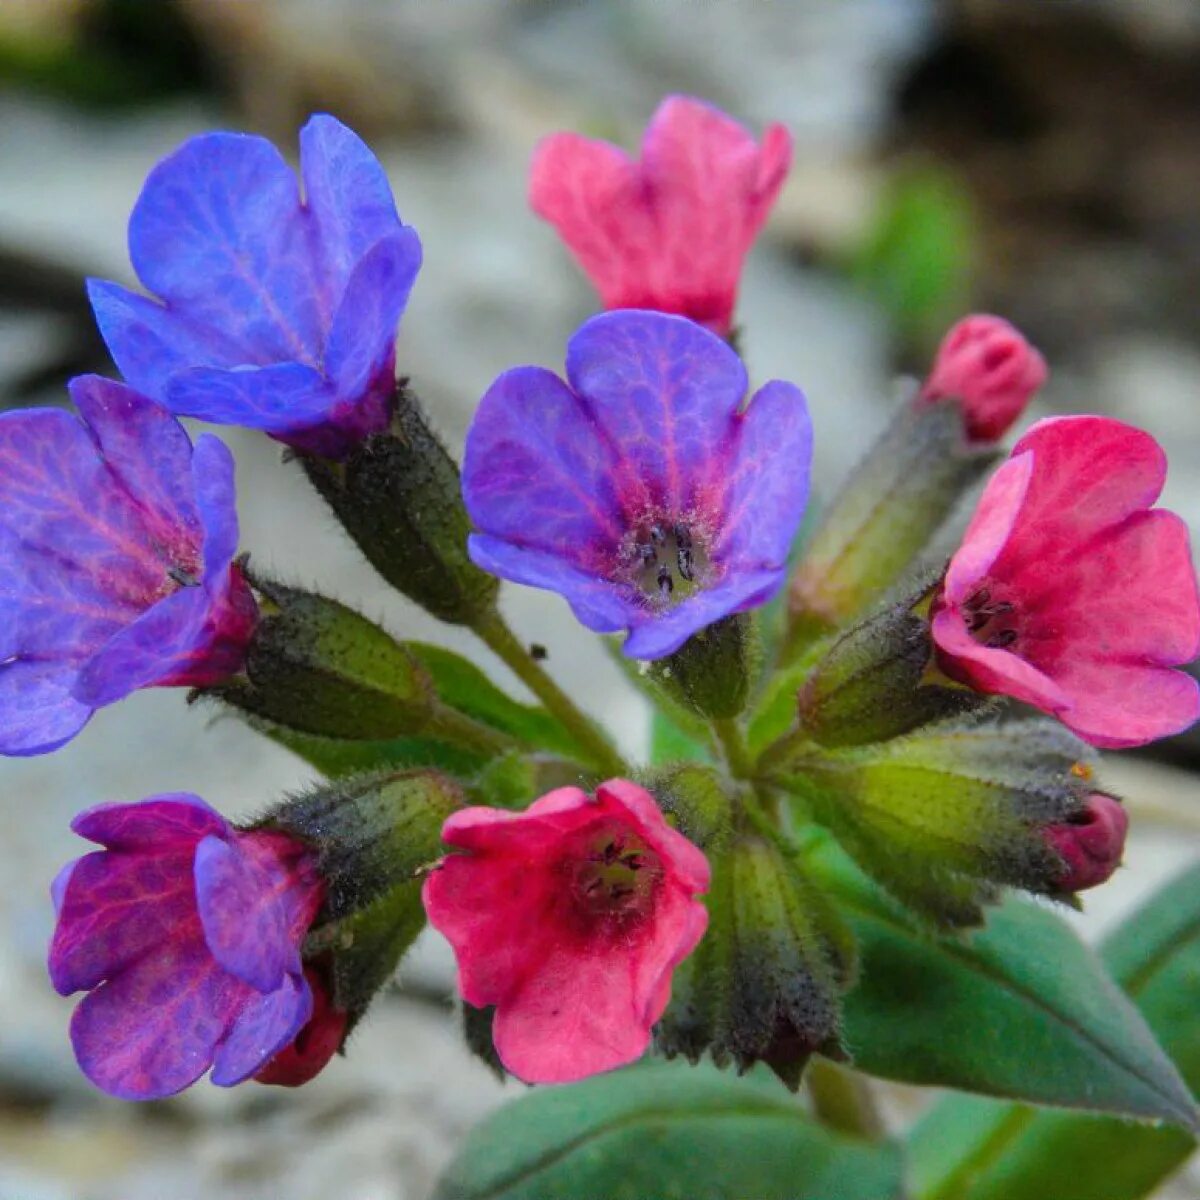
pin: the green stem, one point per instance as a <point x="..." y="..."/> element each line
<point x="842" y="1100"/>
<point x="974" y="1164"/>
<point x="496" y="635"/>
<point x="733" y="746"/>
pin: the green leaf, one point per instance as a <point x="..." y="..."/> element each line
<point x="462" y="685"/>
<point x="334" y="757"/>
<point x="1021" y="1009"/>
<point x="970" y="1148"/>
<point x="669" y="744"/>
<point x="669" y="1132"/>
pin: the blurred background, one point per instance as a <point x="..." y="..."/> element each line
<point x="1038" y="159"/>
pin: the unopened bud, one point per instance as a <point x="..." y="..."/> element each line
<point x="987" y="367"/>
<point x="321" y="1037"/>
<point x="1090" y="843"/>
<point x="945" y="815"/>
<point x="398" y="495"/>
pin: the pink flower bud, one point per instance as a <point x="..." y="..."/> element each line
<point x="1091" y="844"/>
<point x="990" y="369"/>
<point x="307" y="1055"/>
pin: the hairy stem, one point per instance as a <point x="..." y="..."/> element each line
<point x="500" y="639"/>
<point x="733" y="746"/>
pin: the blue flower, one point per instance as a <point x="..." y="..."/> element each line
<point x="273" y="311"/>
<point x="642" y="489"/>
<point x="117" y="538"/>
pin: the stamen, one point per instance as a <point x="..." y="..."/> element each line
<point x="1002" y="640"/>
<point x="666" y="585"/>
<point x="683" y="560"/>
<point x="182" y="577"/>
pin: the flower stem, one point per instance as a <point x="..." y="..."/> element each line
<point x="842" y="1100"/>
<point x="450" y="725"/>
<point x="733" y="746"/>
<point x="492" y="630"/>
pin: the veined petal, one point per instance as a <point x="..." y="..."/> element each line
<point x="175" y="819"/>
<point x="275" y="398"/>
<point x="37" y="711"/>
<point x="347" y="194"/>
<point x="664" y="392"/>
<point x="263" y="1027"/>
<point x="212" y="474"/>
<point x="219" y="234"/>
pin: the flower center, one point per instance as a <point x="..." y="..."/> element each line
<point x="616" y="876"/>
<point x="990" y="621"/>
<point x="666" y="561"/>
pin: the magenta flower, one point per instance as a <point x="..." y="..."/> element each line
<point x="273" y="311"/>
<point x="668" y="232"/>
<point x="643" y="489"/>
<point x="1091" y="845"/>
<point x="117" y="539"/>
<point x="570" y="918"/>
<point x="985" y="365"/>
<point x="185" y="933"/>
<point x="1070" y="593"/>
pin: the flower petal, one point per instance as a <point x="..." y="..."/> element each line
<point x="538" y="473"/>
<point x="276" y="399"/>
<point x="655" y="635"/>
<point x="245" y="924"/>
<point x="149" y="452"/>
<point x="597" y="603"/>
<point x="636" y="805"/>
<point x="175" y="819"/>
<point x="150" y="342"/>
<point x="995" y="516"/>
<point x="158" y="647"/>
<point x="768" y="489"/>
<point x="37" y="711"/>
<point x="219" y="234"/>
<point x="117" y="907"/>
<point x="347" y="194"/>
<point x="361" y="346"/>
<point x="154" y="1028"/>
<point x="664" y="392"/>
<point x="1119" y="705"/>
<point x="212" y="476"/>
<point x="263" y="1027"/>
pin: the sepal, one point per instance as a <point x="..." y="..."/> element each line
<point x="397" y="494"/>
<point x="765" y="982"/>
<point x="711" y="673"/>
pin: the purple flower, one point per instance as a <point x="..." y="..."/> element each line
<point x="185" y="933"/>
<point x="274" y="311"/>
<point x="643" y="490"/>
<point x="117" y="539"/>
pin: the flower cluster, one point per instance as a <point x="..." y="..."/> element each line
<point x="663" y="501"/>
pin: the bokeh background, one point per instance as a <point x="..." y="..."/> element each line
<point x="1037" y="158"/>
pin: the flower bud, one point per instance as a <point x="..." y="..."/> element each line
<point x="1090" y="842"/>
<point x="316" y="667"/>
<point x="985" y="366"/>
<point x="710" y="673"/>
<point x="944" y="815"/>
<point x="764" y="984"/>
<point x="307" y="1055"/>
<point x="397" y="495"/>
<point x="696" y="803"/>
<point x="873" y="683"/>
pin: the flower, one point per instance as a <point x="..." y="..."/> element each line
<point x="185" y="934"/>
<point x="117" y="538"/>
<point x="1090" y="844"/>
<point x="642" y="489"/>
<point x="570" y="918"/>
<point x="1070" y="593"/>
<point x="669" y="231"/>
<point x="309" y="1052"/>
<point x="986" y="366"/>
<point x="273" y="312"/>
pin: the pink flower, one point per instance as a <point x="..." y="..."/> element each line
<point x="570" y="918"/>
<point x="1070" y="593"/>
<point x="1091" y="845"/>
<point x="668" y="231"/>
<point x="990" y="369"/>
